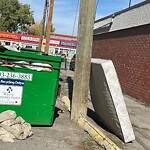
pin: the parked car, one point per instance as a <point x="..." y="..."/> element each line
<point x="63" y="55"/>
<point x="72" y="63"/>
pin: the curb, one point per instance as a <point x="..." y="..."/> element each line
<point x="95" y="133"/>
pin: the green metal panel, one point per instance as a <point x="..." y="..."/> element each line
<point x="39" y="94"/>
<point x="30" y="50"/>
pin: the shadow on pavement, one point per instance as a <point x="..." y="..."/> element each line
<point x="91" y="114"/>
<point x="56" y="114"/>
<point x="70" y="87"/>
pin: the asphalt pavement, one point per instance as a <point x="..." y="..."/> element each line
<point x="66" y="135"/>
<point x="139" y="113"/>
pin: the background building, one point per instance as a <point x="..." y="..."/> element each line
<point x="124" y="37"/>
<point x="59" y="44"/>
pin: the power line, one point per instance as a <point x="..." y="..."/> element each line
<point x="77" y="14"/>
<point x="96" y="7"/>
<point x="75" y="17"/>
<point x="130" y="3"/>
<point x="97" y="4"/>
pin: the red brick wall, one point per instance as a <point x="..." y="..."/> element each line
<point x="129" y="49"/>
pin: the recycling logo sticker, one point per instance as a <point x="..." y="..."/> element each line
<point x="11" y="91"/>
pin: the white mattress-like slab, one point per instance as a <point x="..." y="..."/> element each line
<point x="107" y="99"/>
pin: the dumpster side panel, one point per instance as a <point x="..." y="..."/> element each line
<point x="35" y="98"/>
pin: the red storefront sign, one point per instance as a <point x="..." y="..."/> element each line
<point x="8" y="35"/>
<point x="25" y="38"/>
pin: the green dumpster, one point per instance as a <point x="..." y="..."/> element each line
<point x="30" y="50"/>
<point x="30" y="92"/>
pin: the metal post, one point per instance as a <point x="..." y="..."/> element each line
<point x="83" y="59"/>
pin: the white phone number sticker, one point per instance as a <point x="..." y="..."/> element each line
<point x="15" y="75"/>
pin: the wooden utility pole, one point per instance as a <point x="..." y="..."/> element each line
<point x="43" y="26"/>
<point x="83" y="59"/>
<point x="48" y="31"/>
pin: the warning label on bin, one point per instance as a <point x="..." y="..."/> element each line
<point x="11" y="91"/>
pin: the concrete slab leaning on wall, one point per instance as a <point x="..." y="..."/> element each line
<point x="107" y="99"/>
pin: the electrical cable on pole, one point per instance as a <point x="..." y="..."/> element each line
<point x="97" y="4"/>
<point x="49" y="24"/>
<point x="75" y="17"/>
<point x="43" y="26"/>
<point x="96" y="7"/>
<point x="47" y="14"/>
<point x="130" y="3"/>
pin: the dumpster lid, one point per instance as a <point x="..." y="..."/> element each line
<point x="26" y="56"/>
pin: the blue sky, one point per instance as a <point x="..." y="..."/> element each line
<point x="65" y="10"/>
